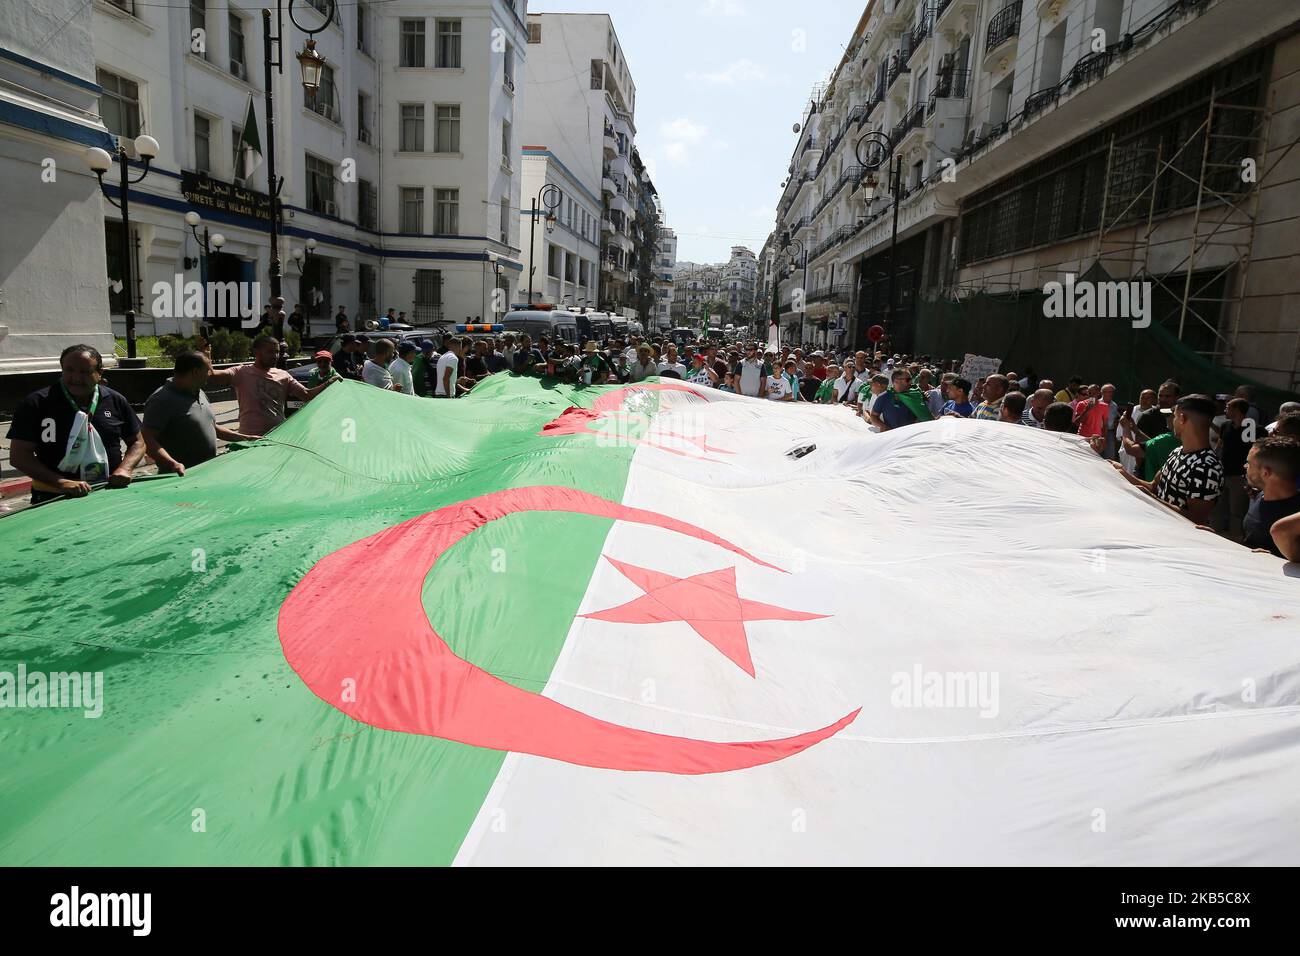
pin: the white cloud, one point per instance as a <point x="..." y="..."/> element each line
<point x="737" y="72"/>
<point x="681" y="137"/>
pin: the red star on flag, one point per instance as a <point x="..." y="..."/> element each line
<point x="708" y="602"/>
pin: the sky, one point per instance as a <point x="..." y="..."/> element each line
<point x="719" y="86"/>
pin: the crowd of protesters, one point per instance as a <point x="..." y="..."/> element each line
<point x="1212" y="459"/>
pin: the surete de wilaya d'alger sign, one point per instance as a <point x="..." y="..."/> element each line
<point x="209" y="193"/>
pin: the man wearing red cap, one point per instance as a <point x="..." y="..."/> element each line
<point x="324" y="371"/>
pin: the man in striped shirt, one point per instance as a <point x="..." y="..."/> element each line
<point x="995" y="389"/>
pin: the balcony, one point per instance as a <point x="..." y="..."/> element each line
<point x="1037" y="102"/>
<point x="949" y="13"/>
<point x="918" y="37"/>
<point x="1004" y="26"/>
<point x="1089" y="67"/>
<point x="610" y="142"/>
<point x="913" y="119"/>
<point x="607" y="185"/>
<point x="839" y="292"/>
<point x="951" y="85"/>
<point x="897" y="67"/>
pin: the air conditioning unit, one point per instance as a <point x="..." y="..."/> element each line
<point x="331" y="207"/>
<point x="238" y="69"/>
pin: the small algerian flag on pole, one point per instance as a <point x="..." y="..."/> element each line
<point x="249" y="153"/>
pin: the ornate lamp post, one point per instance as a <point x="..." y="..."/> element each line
<point x="311" y="64"/>
<point x="207" y="243"/>
<point x="100" y="162"/>
<point x="872" y="151"/>
<point x="549" y="198"/>
<point x="798" y="255"/>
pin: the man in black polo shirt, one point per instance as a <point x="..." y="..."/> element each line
<point x="42" y="428"/>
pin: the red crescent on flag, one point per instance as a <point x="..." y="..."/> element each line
<point x="407" y="679"/>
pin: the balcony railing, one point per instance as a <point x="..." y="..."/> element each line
<point x="1004" y="25"/>
<point x="912" y="119"/>
<point x="1037" y="102"/>
<point x="839" y="292"/>
<point x="897" y="67"/>
<point x="950" y="85"/>
<point x="919" y="33"/>
<point x="1088" y="68"/>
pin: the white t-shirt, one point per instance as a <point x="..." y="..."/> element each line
<point x="841" y="386"/>
<point x="778" y="387"/>
<point x="400" y="370"/>
<point x="372" y="373"/>
<point x="863" y="379"/>
<point x="447" y="361"/>
<point x="677" y="367"/>
<point x="751" y="374"/>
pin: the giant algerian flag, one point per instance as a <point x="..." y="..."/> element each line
<point x="647" y="624"/>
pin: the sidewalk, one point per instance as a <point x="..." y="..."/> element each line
<point x="15" y="488"/>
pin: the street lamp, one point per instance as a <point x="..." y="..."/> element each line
<point x="100" y="162"/>
<point x="549" y="198"/>
<point x="795" y="251"/>
<point x="207" y="243"/>
<point x="872" y="151"/>
<point x="312" y="66"/>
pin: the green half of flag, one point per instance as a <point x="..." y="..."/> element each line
<point x="250" y="143"/>
<point x="210" y="749"/>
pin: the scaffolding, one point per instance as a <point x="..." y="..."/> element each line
<point x="1205" y="289"/>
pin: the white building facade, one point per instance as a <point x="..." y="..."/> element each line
<point x="402" y="167"/>
<point x="52" y="287"/>
<point x="587" y="132"/>
<point x="665" y="270"/>
<point x="1039" y="139"/>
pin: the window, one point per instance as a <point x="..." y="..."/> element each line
<point x="509" y="62"/>
<point x="428" y="295"/>
<point x="367" y="204"/>
<point x="412" y="203"/>
<point x="1053" y="52"/>
<point x="323" y="7"/>
<point x="363" y="119"/>
<point x="447" y="137"/>
<point x="535" y="32"/>
<point x="412" y="138"/>
<point x="505" y="220"/>
<point x="366" y="283"/>
<point x="412" y="51"/>
<point x="202" y="144"/>
<point x="446" y="212"/>
<point x="505" y="143"/>
<point x="553" y="261"/>
<point x="238" y="65"/>
<point x="322" y="101"/>
<point x="113" y="255"/>
<point x="119" y="104"/>
<point x="597" y="74"/>
<point x="198" y="21"/>
<point x="363" y="28"/>
<point x="320" y="186"/>
<point x="448" y="44"/>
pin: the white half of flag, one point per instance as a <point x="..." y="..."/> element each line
<point x="1051" y="667"/>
